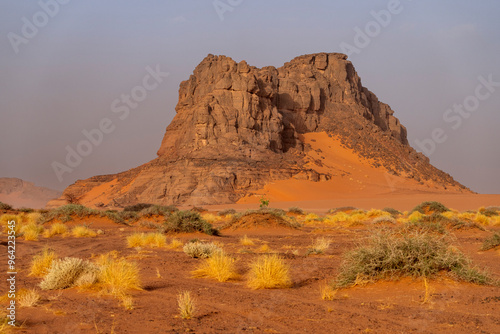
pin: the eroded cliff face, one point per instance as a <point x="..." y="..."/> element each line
<point x="239" y="127"/>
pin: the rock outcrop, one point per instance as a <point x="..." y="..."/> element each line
<point x="20" y="193"/>
<point x="239" y="127"/>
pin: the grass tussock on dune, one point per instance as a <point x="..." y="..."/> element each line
<point x="388" y="255"/>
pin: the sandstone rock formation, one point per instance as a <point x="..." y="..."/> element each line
<point x="19" y="193"/>
<point x="239" y="127"/>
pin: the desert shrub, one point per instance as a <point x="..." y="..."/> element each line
<point x="384" y="220"/>
<point x="137" y="207"/>
<point x="392" y="211"/>
<point x="269" y="272"/>
<point x="83" y="231"/>
<point x="26" y="210"/>
<point x="490" y="211"/>
<point x="147" y="239"/>
<point x="117" y="275"/>
<point x="65" y="272"/>
<point x="342" y="209"/>
<point x="123" y="217"/>
<point x="42" y="262"/>
<point x="492" y="242"/>
<point x="152" y="225"/>
<point x="226" y="212"/>
<point x="427" y="227"/>
<point x="219" y="266"/>
<point x="211" y="218"/>
<point x="186" y="305"/>
<point x="319" y="246"/>
<point x="200" y="249"/>
<point x="5" y="206"/>
<point x="430" y="207"/>
<point x="188" y="221"/>
<point x="157" y="210"/>
<point x="417" y="254"/>
<point x="296" y="210"/>
<point x="65" y="213"/>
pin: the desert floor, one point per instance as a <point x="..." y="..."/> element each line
<point x="394" y="306"/>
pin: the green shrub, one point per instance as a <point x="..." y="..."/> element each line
<point x="188" y="221"/>
<point x="138" y="207"/>
<point x="392" y="211"/>
<point x="5" y="206"/>
<point x="26" y="210"/>
<point x="65" y="213"/>
<point x="492" y="242"/>
<point x="417" y="254"/>
<point x="433" y="206"/>
<point x="202" y="250"/>
<point x="226" y="212"/>
<point x="296" y="210"/>
<point x="157" y="210"/>
<point x="123" y="217"/>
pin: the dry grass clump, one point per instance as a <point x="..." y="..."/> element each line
<point x="187" y="305"/>
<point x="327" y="292"/>
<point x="492" y="242"/>
<point x="174" y="244"/>
<point x="117" y="276"/>
<point x="319" y="246"/>
<point x="28" y="298"/>
<point x="414" y="253"/>
<point x="246" y="241"/>
<point x="202" y="250"/>
<point x="219" y="266"/>
<point x="55" y="229"/>
<point x="153" y="240"/>
<point x="211" y="218"/>
<point x="42" y="262"/>
<point x="269" y="272"/>
<point x="64" y="273"/>
<point x="82" y="231"/>
<point x="31" y="231"/>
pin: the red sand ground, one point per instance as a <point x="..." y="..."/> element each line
<point x="231" y="307"/>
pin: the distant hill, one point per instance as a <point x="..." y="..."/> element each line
<point x="301" y="131"/>
<point x="20" y="193"/>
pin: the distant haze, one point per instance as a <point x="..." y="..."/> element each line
<point x="95" y="71"/>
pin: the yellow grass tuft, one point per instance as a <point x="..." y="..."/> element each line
<point x="187" y="305"/>
<point x="83" y="232"/>
<point x="246" y="241"/>
<point x="147" y="240"/>
<point x="311" y="218"/>
<point x="482" y="219"/>
<point x="219" y="266"/>
<point x="175" y="243"/>
<point x="127" y="302"/>
<point x="415" y="216"/>
<point x="327" y="293"/>
<point x="211" y="218"/>
<point x="55" y="229"/>
<point x="31" y="231"/>
<point x="269" y="272"/>
<point x="28" y="298"/>
<point x="264" y="248"/>
<point x="41" y="263"/>
<point x="117" y="275"/>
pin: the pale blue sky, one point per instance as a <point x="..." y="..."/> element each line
<point x="64" y="78"/>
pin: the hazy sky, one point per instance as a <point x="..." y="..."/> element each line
<point x="64" y="64"/>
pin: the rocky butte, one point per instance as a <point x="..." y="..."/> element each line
<point x="239" y="128"/>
